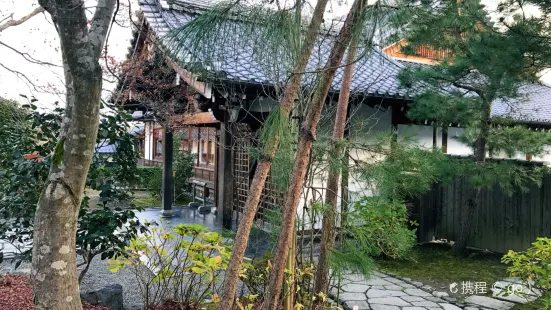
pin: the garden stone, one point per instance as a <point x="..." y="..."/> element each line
<point x="427" y="288"/>
<point x="375" y="281"/>
<point x="449" y="299"/>
<point x="395" y="281"/>
<point x="489" y="302"/>
<point x="355" y="288"/>
<point x="416" y="292"/>
<point x="109" y="296"/>
<point x="471" y="308"/>
<point x="362" y="305"/>
<point x="393" y="287"/>
<point x="440" y="294"/>
<point x="352" y="296"/>
<point x="416" y="283"/>
<point x="379" y="274"/>
<point x="425" y="303"/>
<point x="414" y="308"/>
<point x="388" y="301"/>
<point x="383" y="307"/>
<point x="449" y="307"/>
<point x="412" y="298"/>
<point x="407" y="285"/>
<point x="383" y="293"/>
<point x="378" y="287"/>
<point x="434" y="299"/>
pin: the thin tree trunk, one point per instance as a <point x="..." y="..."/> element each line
<point x="265" y="163"/>
<point x="321" y="282"/>
<point x="467" y="212"/>
<point x="54" y="273"/>
<point x="307" y="135"/>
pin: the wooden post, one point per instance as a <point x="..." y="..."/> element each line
<point x="168" y="150"/>
<point x="225" y="174"/>
<point x="444" y="138"/>
<point x="198" y="145"/>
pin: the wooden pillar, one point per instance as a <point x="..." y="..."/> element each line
<point x="198" y="145"/>
<point x="225" y="174"/>
<point x="445" y="139"/>
<point x="168" y="150"/>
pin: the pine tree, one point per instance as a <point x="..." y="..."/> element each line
<point x="481" y="62"/>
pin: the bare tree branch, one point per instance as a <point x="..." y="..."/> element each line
<point x="15" y="22"/>
<point x="28" y="57"/>
<point x="101" y="24"/>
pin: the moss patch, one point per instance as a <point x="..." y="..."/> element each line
<point x="434" y="266"/>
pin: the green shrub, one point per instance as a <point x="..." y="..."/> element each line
<point x="151" y="178"/>
<point x="183" y="170"/>
<point x="533" y="266"/>
<point x="185" y="263"/>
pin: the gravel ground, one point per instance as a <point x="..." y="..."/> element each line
<point x="97" y="277"/>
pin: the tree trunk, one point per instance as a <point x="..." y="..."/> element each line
<point x="321" y="282"/>
<point x="265" y="163"/>
<point x="54" y="273"/>
<point x="307" y="135"/>
<point x="467" y="212"/>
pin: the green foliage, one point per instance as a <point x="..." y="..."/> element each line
<point x="255" y="275"/>
<point x="23" y="177"/>
<point x="406" y="171"/>
<point x="534" y="267"/>
<point x="380" y="227"/>
<point x="185" y="262"/>
<point x="183" y="170"/>
<point x="151" y="178"/>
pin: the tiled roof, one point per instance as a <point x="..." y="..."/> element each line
<point x="532" y="106"/>
<point x="375" y="73"/>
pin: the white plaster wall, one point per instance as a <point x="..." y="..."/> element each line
<point x="148" y="141"/>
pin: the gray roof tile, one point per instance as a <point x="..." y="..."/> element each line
<point x="374" y="74"/>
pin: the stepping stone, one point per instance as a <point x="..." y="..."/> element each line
<point x="393" y="287"/>
<point x="381" y="275"/>
<point x="355" y="288"/>
<point x="414" y="308"/>
<point x="377" y="281"/>
<point x="412" y="298"/>
<point x="362" y="305"/>
<point x="378" y="287"/>
<point x="354" y="278"/>
<point x="352" y="296"/>
<point x="383" y="293"/>
<point x="383" y="307"/>
<point x="425" y="303"/>
<point x="416" y="292"/>
<point x="471" y="308"/>
<point x="388" y="301"/>
<point x="434" y="299"/>
<point x="395" y="281"/>
<point x="449" y="307"/>
<point x="488" y="302"/>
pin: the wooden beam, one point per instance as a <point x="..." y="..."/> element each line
<point x="191" y="79"/>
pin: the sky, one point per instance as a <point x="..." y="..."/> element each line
<point x="39" y="39"/>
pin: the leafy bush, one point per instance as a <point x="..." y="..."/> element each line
<point x="183" y="170"/>
<point x="534" y="267"/>
<point x="185" y="261"/>
<point x="151" y="178"/>
<point x="24" y="171"/>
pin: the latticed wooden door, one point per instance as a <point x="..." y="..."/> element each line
<point x="243" y="171"/>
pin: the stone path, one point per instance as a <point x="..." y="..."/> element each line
<point x="386" y="292"/>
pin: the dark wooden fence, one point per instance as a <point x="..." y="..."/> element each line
<point x="500" y="222"/>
